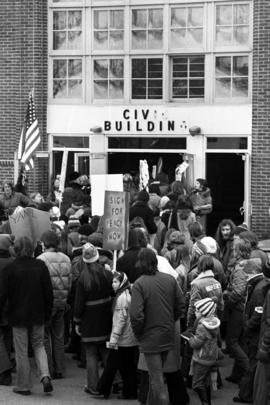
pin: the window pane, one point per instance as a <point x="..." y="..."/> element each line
<point x="101" y="69"/>
<point x="180" y="89"/>
<point x="179" y="17"/>
<point x="59" y="20"/>
<point x="194" y="37"/>
<point x="224" y="15"/>
<point x="138" y="39"/>
<point x="101" y="40"/>
<point x="155" y="18"/>
<point x="196" y="91"/>
<point x="59" y="88"/>
<point x="116" y="40"/>
<point x="227" y="143"/>
<point x="75" y="40"/>
<point x="178" y="38"/>
<point x="138" y="68"/>
<point x="241" y="35"/>
<point x="139" y="89"/>
<point x="100" y="19"/>
<point x="154" y="89"/>
<point x="74" y="68"/>
<point x="116" y="19"/>
<point x="180" y="67"/>
<point x="240" y="87"/>
<point x="74" y="88"/>
<point x="59" y="68"/>
<point x="116" y="68"/>
<point x="195" y="17"/>
<point x="74" y="19"/>
<point x="241" y="14"/>
<point x="101" y="89"/>
<point x="223" y="87"/>
<point x="59" y="40"/>
<point x="223" y="66"/>
<point x="154" y="68"/>
<point x="224" y="35"/>
<point x="139" y="18"/>
<point x="240" y="66"/>
<point x="116" y="89"/>
<point x="155" y="39"/>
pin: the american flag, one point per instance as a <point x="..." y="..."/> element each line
<point x="30" y="137"/>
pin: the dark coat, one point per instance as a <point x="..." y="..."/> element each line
<point x="127" y="264"/>
<point x="93" y="305"/>
<point x="141" y="209"/>
<point x="5" y="259"/>
<point x="26" y="284"/>
<point x="156" y="303"/>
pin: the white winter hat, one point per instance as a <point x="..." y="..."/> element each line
<point x="210" y="244"/>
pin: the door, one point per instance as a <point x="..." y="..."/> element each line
<point x="82" y="163"/>
<point x="225" y="174"/>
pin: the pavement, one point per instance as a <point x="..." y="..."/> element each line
<point x="69" y="391"/>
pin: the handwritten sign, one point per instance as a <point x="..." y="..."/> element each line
<point x="29" y="222"/>
<point x="116" y="216"/>
<point x="99" y="184"/>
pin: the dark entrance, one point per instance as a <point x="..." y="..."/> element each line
<point x="126" y="162"/>
<point x="225" y="177"/>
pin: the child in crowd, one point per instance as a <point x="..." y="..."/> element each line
<point x="123" y="354"/>
<point x="205" y="348"/>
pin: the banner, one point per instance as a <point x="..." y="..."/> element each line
<point x="29" y="222"/>
<point x="99" y="184"/>
<point x="116" y="219"/>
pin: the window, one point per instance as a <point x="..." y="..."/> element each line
<point x="186" y="27"/>
<point x="67" y="30"/>
<point x="231" y="76"/>
<point x="147" y="78"/>
<point x="232" y="24"/>
<point x="147" y="28"/>
<point x="188" y="77"/>
<point x="67" y="78"/>
<point x="108" y="78"/>
<point x="108" y="29"/>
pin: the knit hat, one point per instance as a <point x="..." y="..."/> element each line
<point x="210" y="244"/>
<point x="163" y="201"/>
<point x="6" y="241"/>
<point x="90" y="253"/>
<point x="206" y="306"/>
<point x="177" y="237"/>
<point x="143" y="196"/>
<point x="59" y="224"/>
<point x="73" y="222"/>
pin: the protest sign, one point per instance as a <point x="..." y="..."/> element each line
<point x="29" y="222"/>
<point x="116" y="217"/>
<point x="99" y="184"/>
<point x="144" y="175"/>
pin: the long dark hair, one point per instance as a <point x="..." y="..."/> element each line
<point x="91" y="277"/>
<point x="223" y="223"/>
<point x="147" y="261"/>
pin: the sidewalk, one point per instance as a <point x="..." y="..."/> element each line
<point x="70" y="391"/>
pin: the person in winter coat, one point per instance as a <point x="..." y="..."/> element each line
<point x="141" y="209"/>
<point x="93" y="314"/>
<point x="205" y="348"/>
<point x="205" y="286"/>
<point x="123" y="353"/>
<point x="234" y="298"/>
<point x="26" y="285"/>
<point x="182" y="216"/>
<point x="6" y="242"/>
<point x="12" y="199"/>
<point x="156" y="303"/>
<point x="59" y="267"/>
<point x="202" y="201"/>
<point x="225" y="241"/>
<point x="261" y="387"/>
<point x="257" y="288"/>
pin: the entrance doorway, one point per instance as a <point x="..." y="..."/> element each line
<point x="77" y="161"/>
<point x="225" y="177"/>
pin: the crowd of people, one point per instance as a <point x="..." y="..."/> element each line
<point x="178" y="302"/>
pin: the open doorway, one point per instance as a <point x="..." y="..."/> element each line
<point x="225" y="177"/>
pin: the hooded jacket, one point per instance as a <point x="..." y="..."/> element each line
<point x="204" y="343"/>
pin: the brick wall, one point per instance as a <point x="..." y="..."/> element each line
<point x="23" y="65"/>
<point x="260" y="183"/>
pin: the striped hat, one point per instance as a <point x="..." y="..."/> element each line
<point x="206" y="306"/>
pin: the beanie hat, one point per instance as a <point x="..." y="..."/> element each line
<point x="163" y="201"/>
<point x="73" y="222"/>
<point x="143" y="196"/>
<point x="210" y="244"/>
<point x="89" y="253"/>
<point x="6" y="241"/>
<point x="206" y="306"/>
<point x="177" y="237"/>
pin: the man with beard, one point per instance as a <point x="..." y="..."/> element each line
<point x="225" y="239"/>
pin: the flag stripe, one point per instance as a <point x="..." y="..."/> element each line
<point x="27" y="155"/>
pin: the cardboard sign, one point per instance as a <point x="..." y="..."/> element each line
<point x="99" y="184"/>
<point x="116" y="218"/>
<point x="29" y="222"/>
